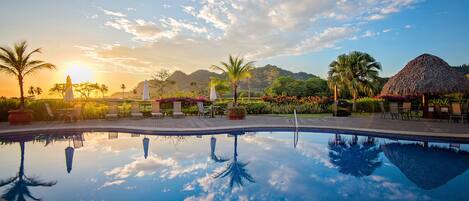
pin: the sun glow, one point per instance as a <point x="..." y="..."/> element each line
<point x="79" y="72"/>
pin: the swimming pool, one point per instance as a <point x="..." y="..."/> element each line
<point x="261" y="165"/>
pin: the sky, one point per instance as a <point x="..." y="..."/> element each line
<point x="126" y="41"/>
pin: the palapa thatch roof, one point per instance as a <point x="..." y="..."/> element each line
<point x="427" y="167"/>
<point x="426" y="74"/>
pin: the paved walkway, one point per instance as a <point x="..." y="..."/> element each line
<point x="372" y="124"/>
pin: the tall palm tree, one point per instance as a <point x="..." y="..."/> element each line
<point x="123" y="88"/>
<point x="31" y="91"/>
<point x="236" y="170"/>
<point x="356" y="72"/>
<point x="38" y="91"/>
<point x="19" y="184"/>
<point x="353" y="158"/>
<point x="103" y="89"/>
<point x="18" y="62"/>
<point x="236" y="70"/>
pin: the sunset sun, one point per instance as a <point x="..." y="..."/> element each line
<point x="79" y="72"/>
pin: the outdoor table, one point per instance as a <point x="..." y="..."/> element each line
<point x="66" y="112"/>
<point x="212" y="109"/>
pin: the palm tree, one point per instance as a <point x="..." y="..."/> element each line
<point x="356" y="72"/>
<point x="123" y="88"/>
<point x="353" y="158"/>
<point x="19" y="184"/>
<point x="31" y="91"/>
<point x="38" y="91"/>
<point x="236" y="70"/>
<point x="103" y="89"/>
<point x="59" y="89"/>
<point x="236" y="170"/>
<point x="18" y="62"/>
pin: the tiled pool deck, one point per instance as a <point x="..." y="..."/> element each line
<point x="373" y="124"/>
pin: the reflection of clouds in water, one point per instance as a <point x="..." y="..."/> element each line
<point x="141" y="167"/>
<point x="282" y="178"/>
<point x="112" y="183"/>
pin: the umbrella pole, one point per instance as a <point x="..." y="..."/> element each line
<point x="213" y="116"/>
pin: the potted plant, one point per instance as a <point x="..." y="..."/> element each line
<point x="236" y="70"/>
<point x="18" y="62"/>
<point x="236" y="113"/>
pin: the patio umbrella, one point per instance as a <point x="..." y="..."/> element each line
<point x="427" y="167"/>
<point x="213" y="95"/>
<point x="68" y="90"/>
<point x="146" y="143"/>
<point x="146" y="91"/>
<point x="69" y="158"/>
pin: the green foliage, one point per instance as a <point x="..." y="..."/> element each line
<point x="290" y="86"/>
<point x="94" y="110"/>
<point x="368" y="104"/>
<point x="439" y="101"/>
<point x="6" y="105"/>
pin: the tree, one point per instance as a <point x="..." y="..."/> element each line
<point x="356" y="72"/>
<point x="31" y="91"/>
<point x="58" y="89"/>
<point x="18" y="62"/>
<point x="123" y="89"/>
<point x="103" y="89"/>
<point x="161" y="81"/>
<point x="86" y="89"/>
<point x="236" y="70"/>
<point x="38" y="91"/>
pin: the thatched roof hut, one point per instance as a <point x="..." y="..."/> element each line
<point x="427" y="167"/>
<point x="426" y="74"/>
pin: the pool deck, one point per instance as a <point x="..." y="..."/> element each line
<point x="368" y="124"/>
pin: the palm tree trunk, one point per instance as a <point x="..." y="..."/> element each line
<point x="235" y="94"/>
<point x="21" y="171"/>
<point x="20" y="80"/>
<point x="354" y="104"/>
<point x="235" y="152"/>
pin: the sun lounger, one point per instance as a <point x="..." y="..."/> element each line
<point x="406" y="110"/>
<point x="51" y="115"/>
<point x="394" y="110"/>
<point x="112" y="112"/>
<point x="202" y="111"/>
<point x="155" y="109"/>
<point x="383" y="110"/>
<point x="177" y="109"/>
<point x="135" y="111"/>
<point x="456" y="112"/>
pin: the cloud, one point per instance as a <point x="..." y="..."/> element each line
<point x="386" y="30"/>
<point x="112" y="183"/>
<point x="205" y="32"/>
<point x="369" y="33"/>
<point x="112" y="13"/>
<point x="408" y="26"/>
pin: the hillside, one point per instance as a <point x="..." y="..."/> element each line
<point x="261" y="78"/>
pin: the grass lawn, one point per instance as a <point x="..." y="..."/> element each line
<point x="319" y="115"/>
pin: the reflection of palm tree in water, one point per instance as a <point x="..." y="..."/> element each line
<point x="213" y="156"/>
<point x="236" y="170"/>
<point x="19" y="184"/>
<point x="353" y="158"/>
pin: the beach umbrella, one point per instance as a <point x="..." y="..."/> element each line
<point x="427" y="167"/>
<point x="213" y="93"/>
<point x="69" y="158"/>
<point x="146" y="91"/>
<point x="146" y="143"/>
<point x="68" y="90"/>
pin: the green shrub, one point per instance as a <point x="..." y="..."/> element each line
<point x="5" y="106"/>
<point x="368" y="104"/>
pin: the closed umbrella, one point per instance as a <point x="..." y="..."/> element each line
<point x="68" y="90"/>
<point x="213" y="95"/>
<point x="146" y="91"/>
<point x="146" y="143"/>
<point x="69" y="157"/>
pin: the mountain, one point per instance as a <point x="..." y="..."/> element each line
<point x="262" y="77"/>
<point x="463" y="68"/>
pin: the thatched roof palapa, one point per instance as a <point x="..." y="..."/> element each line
<point x="426" y="74"/>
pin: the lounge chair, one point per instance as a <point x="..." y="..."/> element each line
<point x="394" y="110"/>
<point x="112" y="112"/>
<point x="155" y="109"/>
<point x="135" y="111"/>
<point x="51" y="115"/>
<point x="202" y="111"/>
<point x="456" y="112"/>
<point x="406" y="110"/>
<point x="77" y="112"/>
<point x="383" y="110"/>
<point x="177" y="109"/>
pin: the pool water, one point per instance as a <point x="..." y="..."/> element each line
<point x="238" y="166"/>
